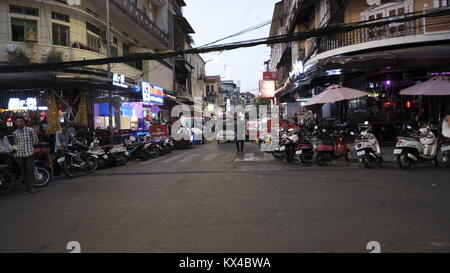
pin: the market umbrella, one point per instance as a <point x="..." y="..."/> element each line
<point x="53" y="117"/>
<point x="437" y="86"/>
<point x="335" y="93"/>
<point x="81" y="119"/>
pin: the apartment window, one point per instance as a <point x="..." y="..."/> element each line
<point x="60" y="17"/>
<point x="401" y="11"/>
<point x="392" y="13"/>
<point x="20" y="27"/>
<point x="207" y="89"/>
<point x="61" y="34"/>
<point x="212" y="88"/>
<point x="114" y="48"/>
<point x="93" y="37"/>
<point x="441" y="3"/>
<point x="24" y="10"/>
<point x="93" y="42"/>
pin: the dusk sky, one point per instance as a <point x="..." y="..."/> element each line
<point x="215" y="19"/>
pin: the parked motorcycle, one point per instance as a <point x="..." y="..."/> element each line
<point x="323" y="147"/>
<point x="10" y="177"/>
<point x="367" y="148"/>
<point x="109" y="155"/>
<point x="304" y="152"/>
<point x="137" y="149"/>
<point x="421" y="146"/>
<point x="445" y="151"/>
<point x="75" y="158"/>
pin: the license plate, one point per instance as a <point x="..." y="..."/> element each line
<point x="61" y="160"/>
<point x="361" y="153"/>
<point x="105" y="157"/>
<point x="299" y="152"/>
<point x="282" y="148"/>
<point x="397" y="151"/>
<point x="445" y="148"/>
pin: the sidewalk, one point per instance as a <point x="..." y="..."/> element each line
<point x="386" y="151"/>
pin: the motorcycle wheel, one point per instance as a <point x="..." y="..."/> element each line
<point x="6" y="186"/>
<point x="305" y="159"/>
<point x="368" y="162"/>
<point x="297" y="160"/>
<point x="121" y="160"/>
<point x="42" y="177"/>
<point x="404" y="161"/>
<point x="92" y="164"/>
<point x="277" y="155"/>
<point x="69" y="170"/>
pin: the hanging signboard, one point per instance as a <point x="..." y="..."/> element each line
<point x="267" y="89"/>
<point x="152" y="94"/>
<point x="16" y="104"/>
<point x="119" y="80"/>
<point x="271" y="76"/>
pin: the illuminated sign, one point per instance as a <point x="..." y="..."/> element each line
<point x="119" y="80"/>
<point x="297" y="69"/>
<point x="267" y="89"/>
<point x="152" y="94"/>
<point x="17" y="104"/>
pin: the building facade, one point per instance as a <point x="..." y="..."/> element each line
<point x="48" y="31"/>
<point x="381" y="60"/>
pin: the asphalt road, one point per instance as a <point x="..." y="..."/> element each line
<point x="208" y="199"/>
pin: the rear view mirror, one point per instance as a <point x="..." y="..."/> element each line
<point x="366" y="123"/>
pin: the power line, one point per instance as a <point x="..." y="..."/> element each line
<point x="299" y="36"/>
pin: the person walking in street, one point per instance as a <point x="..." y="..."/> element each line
<point x="239" y="135"/>
<point x="26" y="138"/>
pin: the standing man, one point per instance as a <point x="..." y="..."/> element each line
<point x="26" y="138"/>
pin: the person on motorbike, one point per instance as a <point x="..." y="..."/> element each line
<point x="6" y="150"/>
<point x="63" y="139"/>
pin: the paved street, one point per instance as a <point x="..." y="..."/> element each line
<point x="208" y="199"/>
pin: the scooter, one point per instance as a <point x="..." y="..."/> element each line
<point x="323" y="147"/>
<point x="367" y="148"/>
<point x="304" y="152"/>
<point x="420" y="147"/>
<point x="445" y="151"/>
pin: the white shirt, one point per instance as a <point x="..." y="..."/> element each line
<point x="445" y="129"/>
<point x="5" y="147"/>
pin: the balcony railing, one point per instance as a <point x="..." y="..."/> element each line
<point x="139" y="16"/>
<point x="368" y="34"/>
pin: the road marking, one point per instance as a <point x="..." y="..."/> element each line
<point x="189" y="158"/>
<point x="209" y="157"/>
<point x="171" y="159"/>
<point x="228" y="157"/>
<point x="249" y="157"/>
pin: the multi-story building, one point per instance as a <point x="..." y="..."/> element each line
<point x="381" y="60"/>
<point x="213" y="90"/>
<point x="46" y="31"/>
<point x="230" y="92"/>
<point x="247" y="98"/>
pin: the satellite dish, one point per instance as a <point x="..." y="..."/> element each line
<point x="374" y="2"/>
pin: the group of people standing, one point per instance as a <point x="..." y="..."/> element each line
<point x="26" y="139"/>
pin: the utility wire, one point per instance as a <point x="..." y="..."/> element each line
<point x="243" y="44"/>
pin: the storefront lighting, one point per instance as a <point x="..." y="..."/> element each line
<point x="334" y="72"/>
